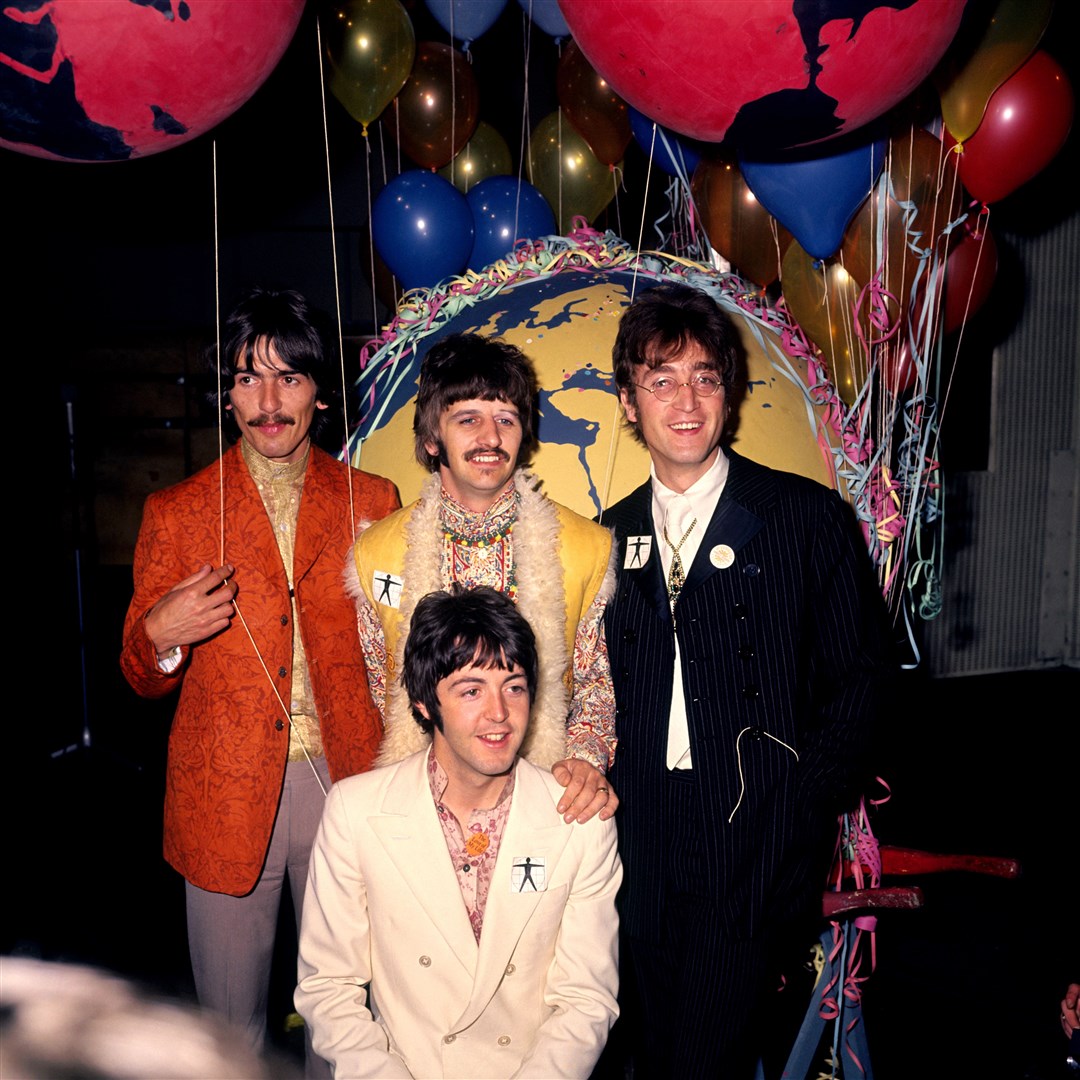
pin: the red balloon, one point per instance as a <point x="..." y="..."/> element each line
<point x="970" y="271"/>
<point x="773" y="72"/>
<point x="1026" y="123"/>
<point x="113" y="80"/>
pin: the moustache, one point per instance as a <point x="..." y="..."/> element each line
<point x="266" y="421"/>
<point x="497" y="451"/>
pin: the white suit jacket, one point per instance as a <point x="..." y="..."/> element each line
<point x="536" y="996"/>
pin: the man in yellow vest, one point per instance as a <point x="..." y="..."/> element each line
<point x="481" y="520"/>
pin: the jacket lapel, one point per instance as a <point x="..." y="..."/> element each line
<point x="534" y="829"/>
<point x="250" y="545"/>
<point x="647" y="579"/>
<point x="320" y="513"/>
<point x="733" y="524"/>
<point x="408" y="828"/>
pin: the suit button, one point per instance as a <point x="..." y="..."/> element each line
<point x="740" y="611"/>
<point x="425" y="961"/>
<point x="448" y="1038"/>
<point x="746" y="652"/>
<point x="629" y="636"/>
<point x="279" y="724"/>
<point x="504" y="1040"/>
<point x="510" y="969"/>
<point x="751" y="692"/>
<point x="284" y="620"/>
<point x="751" y="569"/>
<point x="755" y="734"/>
<point x="282" y="672"/>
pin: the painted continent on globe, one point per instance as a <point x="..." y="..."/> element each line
<point x="587" y="457"/>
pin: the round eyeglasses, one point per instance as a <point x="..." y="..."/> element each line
<point x="665" y="388"/>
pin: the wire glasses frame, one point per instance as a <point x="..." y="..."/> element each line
<point x="704" y="384"/>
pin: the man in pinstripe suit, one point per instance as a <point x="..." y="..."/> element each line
<point x="747" y="647"/>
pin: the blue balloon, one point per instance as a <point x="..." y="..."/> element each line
<point x="466" y="19"/>
<point x="422" y="228"/>
<point x="546" y="15"/>
<point x="505" y="210"/>
<point x="674" y="154"/>
<point x="816" y="196"/>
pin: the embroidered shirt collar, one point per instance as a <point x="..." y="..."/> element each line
<point x="467" y="526"/>
<point x="438" y="780"/>
<point x="265" y="471"/>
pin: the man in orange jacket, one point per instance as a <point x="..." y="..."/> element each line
<point x="239" y="604"/>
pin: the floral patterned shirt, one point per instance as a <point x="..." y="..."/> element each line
<point x="473" y="844"/>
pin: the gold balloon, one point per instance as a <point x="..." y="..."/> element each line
<point x="485" y="154"/>
<point x="1005" y="42"/>
<point x="568" y="174"/>
<point x="737" y="225"/>
<point x="821" y="296"/>
<point x="370" y="46"/>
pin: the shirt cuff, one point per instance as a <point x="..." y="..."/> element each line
<point x="591" y="749"/>
<point x="168" y="663"/>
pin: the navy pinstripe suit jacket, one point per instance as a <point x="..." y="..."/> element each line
<point x="787" y="642"/>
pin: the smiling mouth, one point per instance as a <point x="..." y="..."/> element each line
<point x="487" y="457"/>
<point x="494" y="739"/>
<point x="686" y="426"/>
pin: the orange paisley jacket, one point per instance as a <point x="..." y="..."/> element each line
<point x="229" y="741"/>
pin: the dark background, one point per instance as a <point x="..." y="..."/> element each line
<point x="108" y="299"/>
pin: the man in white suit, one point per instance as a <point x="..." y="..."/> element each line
<point x="453" y="925"/>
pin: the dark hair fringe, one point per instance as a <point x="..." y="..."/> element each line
<point x="459" y="629"/>
<point x="468" y="367"/>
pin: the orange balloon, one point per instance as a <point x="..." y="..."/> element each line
<point x="598" y="114"/>
<point x="737" y="225"/>
<point x="439" y="106"/>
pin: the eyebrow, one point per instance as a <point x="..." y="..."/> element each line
<point x="701" y="365"/>
<point x="465" y="680"/>
<point x="505" y="408"/>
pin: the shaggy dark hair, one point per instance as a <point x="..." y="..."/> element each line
<point x="458" y="629"/>
<point x="469" y="367"/>
<point x="286" y="321"/>
<point x="664" y="321"/>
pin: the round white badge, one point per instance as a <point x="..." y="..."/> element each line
<point x="721" y="556"/>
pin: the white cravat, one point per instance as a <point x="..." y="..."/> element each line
<point x="675" y="511"/>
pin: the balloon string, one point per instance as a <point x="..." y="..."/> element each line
<point x="524" y="143"/>
<point x="349" y="525"/>
<point x="217" y="354"/>
<point x="644" y="203"/>
<point x="559" y="123"/>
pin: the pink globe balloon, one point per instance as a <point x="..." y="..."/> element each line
<point x="108" y="80"/>
<point x="764" y="71"/>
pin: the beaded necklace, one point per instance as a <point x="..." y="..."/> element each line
<point x="478" y="549"/>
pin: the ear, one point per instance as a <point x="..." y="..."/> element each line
<point x="321" y="405"/>
<point x="432" y="449"/>
<point x="628" y="406"/>
<point x="422" y="709"/>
